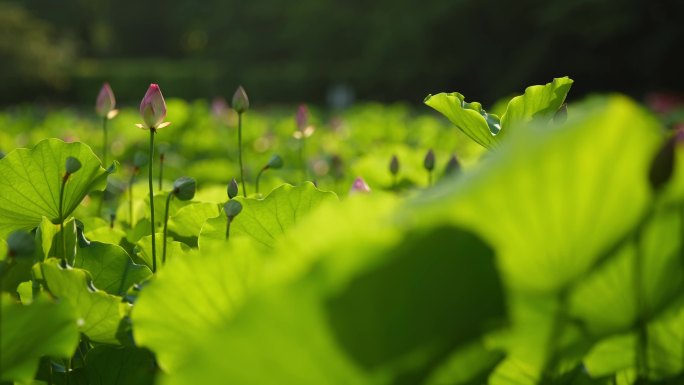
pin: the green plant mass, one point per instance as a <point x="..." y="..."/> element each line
<point x="540" y="241"/>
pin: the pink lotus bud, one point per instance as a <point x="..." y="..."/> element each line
<point x="219" y="107"/>
<point x="359" y="186"/>
<point x="302" y="117"/>
<point x="153" y="108"/>
<point x="105" y="101"/>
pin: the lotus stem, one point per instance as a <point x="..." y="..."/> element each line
<point x="152" y="224"/>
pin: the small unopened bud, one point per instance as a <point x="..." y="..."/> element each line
<point x="153" y="108"/>
<point x="232" y="208"/>
<point x="72" y="165"/>
<point x="240" y="100"/>
<point x="276" y="162"/>
<point x="20" y="244"/>
<point x="359" y="186"/>
<point x="662" y="167"/>
<point x="232" y="189"/>
<point x="184" y="188"/>
<point x="105" y="102"/>
<point x="453" y="166"/>
<point x="429" y="162"/>
<point x="302" y="117"/>
<point x="394" y="165"/>
<point x="561" y="115"/>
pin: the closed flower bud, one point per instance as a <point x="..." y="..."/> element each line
<point x="232" y="208"/>
<point x="302" y="117"/>
<point x="359" y="186"/>
<point x="453" y="166"/>
<point x="394" y="165"/>
<point x="276" y="162"/>
<point x="232" y="189"/>
<point x="153" y="109"/>
<point x="429" y="162"/>
<point x="72" y="165"/>
<point x="20" y="244"/>
<point x="184" y="188"/>
<point x="105" y="101"/>
<point x="240" y="100"/>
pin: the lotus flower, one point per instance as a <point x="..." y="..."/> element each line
<point x="153" y="109"/>
<point x="359" y="186"/>
<point x="104" y="106"/>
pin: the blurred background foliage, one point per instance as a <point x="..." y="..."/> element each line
<point x="299" y="51"/>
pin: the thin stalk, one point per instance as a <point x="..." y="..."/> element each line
<point x="302" y="164"/>
<point x="259" y="176"/>
<point x="430" y="178"/>
<point x="228" y="228"/>
<point x="242" y="170"/>
<point x="161" y="170"/>
<point x="154" y="247"/>
<point x="61" y="216"/>
<point x="104" y="141"/>
<point x="166" y="221"/>
<point x="130" y="198"/>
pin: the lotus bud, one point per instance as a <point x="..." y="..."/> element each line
<point x="20" y="244"/>
<point x="184" y="188"/>
<point x="394" y="165"/>
<point x="232" y="189"/>
<point x="105" y="102"/>
<point x="302" y="117"/>
<point x="219" y="107"/>
<point x="429" y="162"/>
<point x="453" y="166"/>
<point x="232" y="208"/>
<point x="276" y="162"/>
<point x="72" y="165"/>
<point x="359" y="186"/>
<point x="153" y="109"/>
<point x="240" y="100"/>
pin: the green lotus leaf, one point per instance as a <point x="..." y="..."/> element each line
<point x="264" y="220"/>
<point x="539" y="101"/>
<point x="468" y="117"/>
<point x="114" y="365"/>
<point x="30" y="182"/>
<point x="188" y="220"/>
<point x="98" y="313"/>
<point x="553" y="202"/>
<point x="43" y="328"/>
<point x="110" y="267"/>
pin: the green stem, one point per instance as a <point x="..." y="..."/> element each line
<point x="301" y="158"/>
<point x="259" y="176"/>
<point x="154" y="247"/>
<point x="166" y="221"/>
<point x="430" y="178"/>
<point x="130" y="199"/>
<point x="228" y="228"/>
<point x="161" y="170"/>
<point x="242" y="170"/>
<point x="61" y="216"/>
<point x="104" y="141"/>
